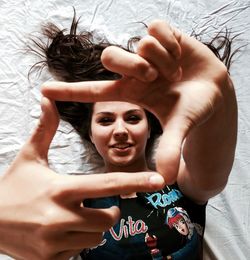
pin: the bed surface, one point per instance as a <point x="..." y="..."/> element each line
<point x="227" y="233"/>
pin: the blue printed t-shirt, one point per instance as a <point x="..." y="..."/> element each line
<point x="159" y="225"/>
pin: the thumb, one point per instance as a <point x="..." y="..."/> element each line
<point x="44" y="133"/>
<point x="168" y="153"/>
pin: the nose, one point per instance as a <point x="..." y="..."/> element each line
<point x="120" y="130"/>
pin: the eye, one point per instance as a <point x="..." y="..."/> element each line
<point x="105" y="120"/>
<point x="175" y="225"/>
<point x="133" y="119"/>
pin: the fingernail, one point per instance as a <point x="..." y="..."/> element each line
<point x="156" y="179"/>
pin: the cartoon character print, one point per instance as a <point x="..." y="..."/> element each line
<point x="178" y="218"/>
<point x="151" y="242"/>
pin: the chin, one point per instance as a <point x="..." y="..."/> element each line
<point x="122" y="162"/>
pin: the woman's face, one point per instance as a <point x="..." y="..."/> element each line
<point x="119" y="131"/>
<point x="181" y="227"/>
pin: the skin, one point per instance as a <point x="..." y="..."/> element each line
<point x="180" y="81"/>
<point x="184" y="85"/>
<point x="42" y="216"/>
<point x="119" y="131"/>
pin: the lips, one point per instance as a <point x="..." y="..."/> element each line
<point x="121" y="145"/>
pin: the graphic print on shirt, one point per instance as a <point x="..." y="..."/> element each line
<point x="160" y="200"/>
<point x="154" y="226"/>
<point x="129" y="228"/>
<point x="176" y="218"/>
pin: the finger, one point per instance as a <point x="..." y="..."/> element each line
<point x="167" y="36"/>
<point x="89" y="232"/>
<point x="125" y="89"/>
<point x="76" y="188"/>
<point x="39" y="142"/>
<point x="151" y="50"/>
<point x="86" y="91"/>
<point x="66" y="255"/>
<point x="129" y="64"/>
<point x="168" y="153"/>
<point x="88" y="219"/>
<point x="80" y="240"/>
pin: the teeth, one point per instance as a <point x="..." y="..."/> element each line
<point x="121" y="146"/>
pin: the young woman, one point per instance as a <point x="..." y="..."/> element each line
<point x="169" y="223"/>
<point x="120" y="131"/>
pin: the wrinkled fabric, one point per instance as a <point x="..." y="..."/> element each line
<point x="228" y="214"/>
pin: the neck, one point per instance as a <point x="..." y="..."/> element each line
<point x="138" y="166"/>
<point x="134" y="167"/>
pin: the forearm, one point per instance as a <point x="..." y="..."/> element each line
<point x="210" y="147"/>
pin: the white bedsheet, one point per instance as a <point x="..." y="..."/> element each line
<point x="228" y="214"/>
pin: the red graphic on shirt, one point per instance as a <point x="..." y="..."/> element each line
<point x="129" y="228"/>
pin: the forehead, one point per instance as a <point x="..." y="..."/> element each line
<point x="114" y="107"/>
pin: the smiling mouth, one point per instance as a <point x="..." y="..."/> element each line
<point x="121" y="146"/>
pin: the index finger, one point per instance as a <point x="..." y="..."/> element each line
<point x="86" y="91"/>
<point x="77" y="188"/>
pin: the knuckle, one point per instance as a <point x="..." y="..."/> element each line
<point x="57" y="189"/>
<point x="146" y="45"/>
<point x="111" y="183"/>
<point x="141" y="66"/>
<point x="118" y="183"/>
<point x="48" y="222"/>
<point x="140" y="181"/>
<point x="95" y="91"/>
<point x="69" y="93"/>
<point x="126" y="182"/>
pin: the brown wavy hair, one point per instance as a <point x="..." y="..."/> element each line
<point x="75" y="56"/>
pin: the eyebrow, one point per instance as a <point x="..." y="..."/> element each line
<point x="127" y="112"/>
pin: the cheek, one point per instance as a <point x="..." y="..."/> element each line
<point x="142" y="133"/>
<point x="99" y="142"/>
<point x="100" y="137"/>
<point x="96" y="132"/>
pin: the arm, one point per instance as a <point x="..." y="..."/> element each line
<point x="192" y="96"/>
<point x="209" y="149"/>
<point x="41" y="213"/>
